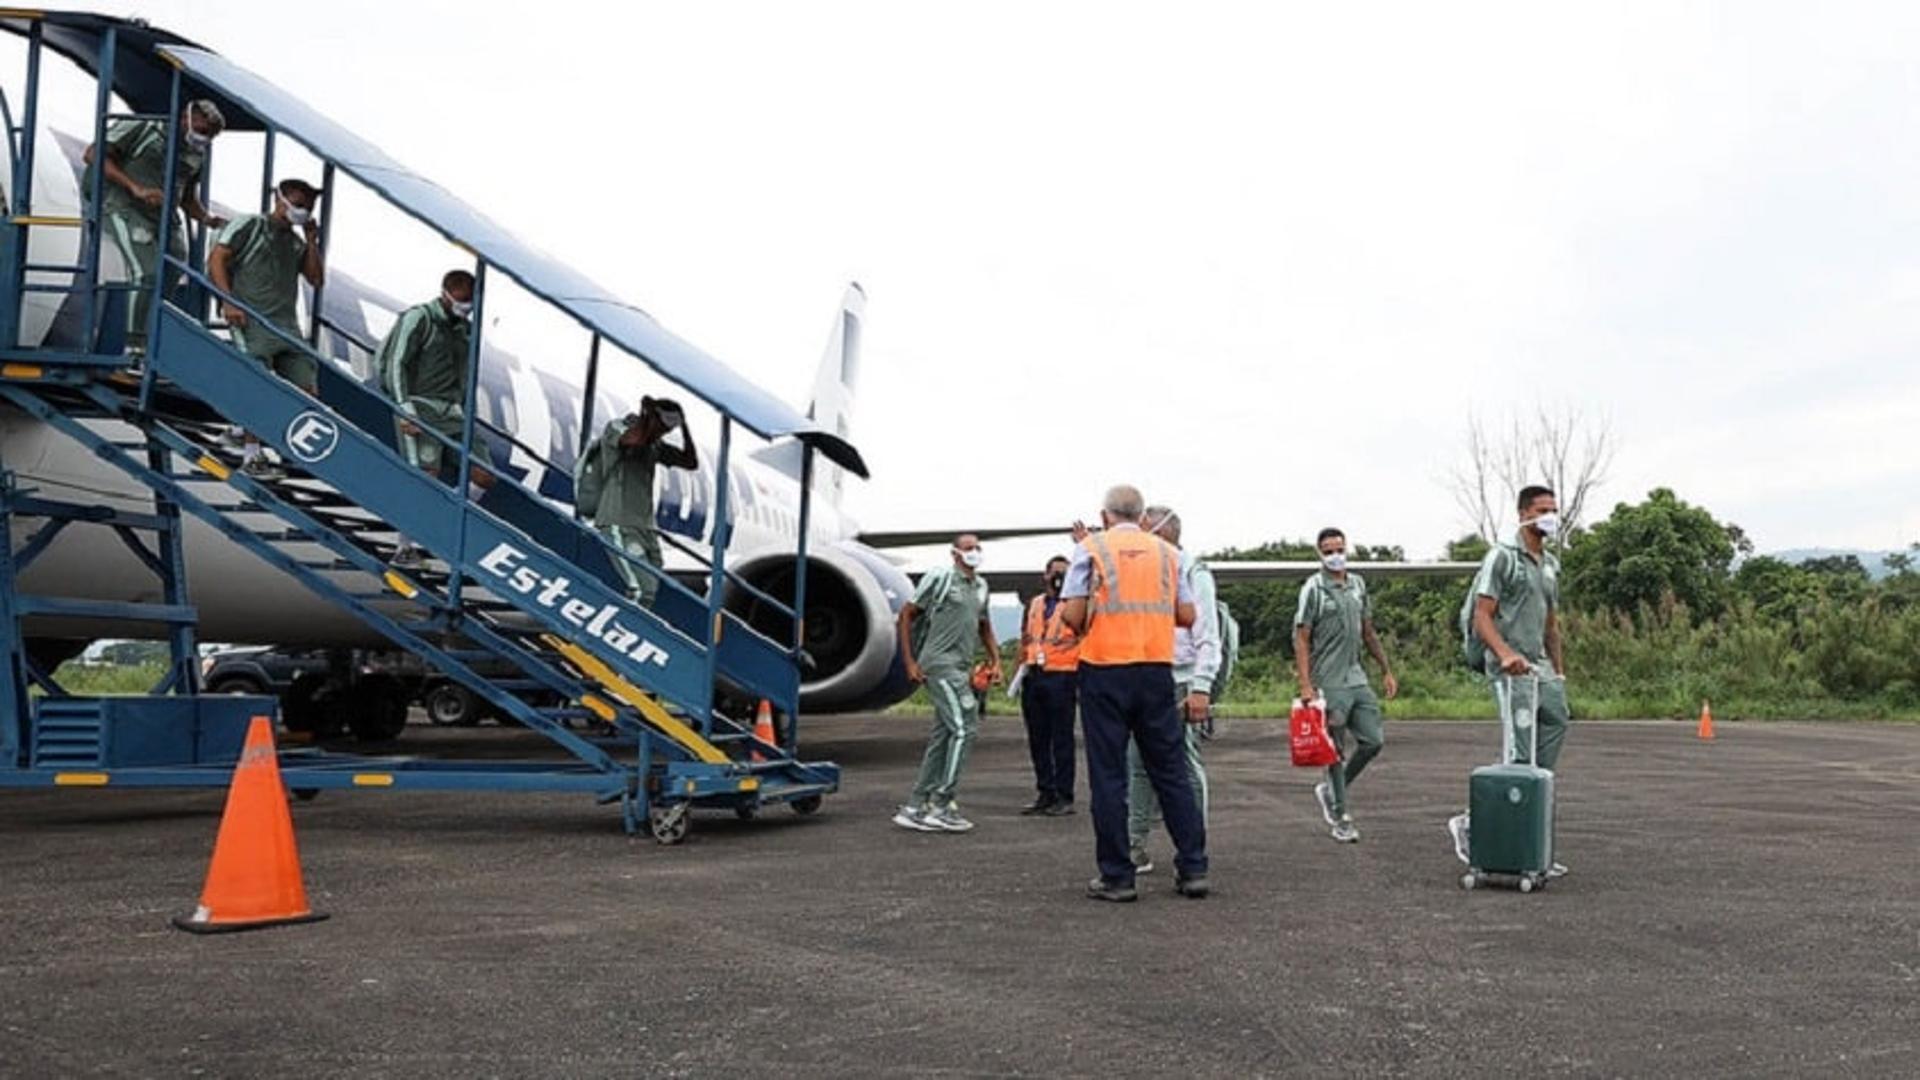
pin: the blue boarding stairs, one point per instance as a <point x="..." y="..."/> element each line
<point x="515" y="582"/>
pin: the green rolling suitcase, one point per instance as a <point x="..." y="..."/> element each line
<point x="1510" y="805"/>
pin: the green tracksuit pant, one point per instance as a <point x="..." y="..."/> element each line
<point x="1143" y="808"/>
<point x="137" y="239"/>
<point x="956" y="722"/>
<point x="1353" y="717"/>
<point x="642" y="544"/>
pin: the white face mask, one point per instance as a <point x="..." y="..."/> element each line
<point x="298" y="215"/>
<point x="1335" y="562"/>
<point x="197" y="141"/>
<point x="671" y="418"/>
<point x="1546" y="524"/>
<point x="971" y="559"/>
<point x="460" y="308"/>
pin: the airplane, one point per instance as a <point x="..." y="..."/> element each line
<point x="855" y="586"/>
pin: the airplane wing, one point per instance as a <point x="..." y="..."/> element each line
<point x="928" y="537"/>
<point x="1234" y="572"/>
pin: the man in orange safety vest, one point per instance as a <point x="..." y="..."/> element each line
<point x="1124" y="595"/>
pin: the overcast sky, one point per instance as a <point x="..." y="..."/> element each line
<point x="1260" y="260"/>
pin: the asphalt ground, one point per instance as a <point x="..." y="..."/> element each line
<point x="1744" y="907"/>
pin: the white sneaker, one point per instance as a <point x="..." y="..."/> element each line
<point x="1557" y="870"/>
<point x="1459" y="826"/>
<point x="1142" y="862"/>
<point x="915" y="818"/>
<point x="1323" y="794"/>
<point x="1345" y="831"/>
<point x="947" y="819"/>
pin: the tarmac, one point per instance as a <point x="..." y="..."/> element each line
<point x="1742" y="907"/>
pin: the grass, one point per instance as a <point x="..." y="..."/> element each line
<point x="108" y="680"/>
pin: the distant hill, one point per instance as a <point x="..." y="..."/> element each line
<point x="1874" y="561"/>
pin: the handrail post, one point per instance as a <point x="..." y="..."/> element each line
<point x="593" y="386"/>
<point x="102" y="103"/>
<point x="199" y="236"/>
<point x="586" y="418"/>
<point x="717" y="581"/>
<point x="164" y="238"/>
<point x="319" y="305"/>
<point x="20" y="192"/>
<point x="461" y="480"/>
<point x="266" y="174"/>
<point x="800" y="554"/>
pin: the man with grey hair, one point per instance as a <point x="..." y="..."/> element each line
<point x="133" y="189"/>
<point x="1124" y="595"/>
<point x="1196" y="660"/>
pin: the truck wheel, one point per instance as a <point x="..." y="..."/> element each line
<point x="239" y="685"/>
<point x="313" y="704"/>
<point x="451" y="705"/>
<point x="379" y="712"/>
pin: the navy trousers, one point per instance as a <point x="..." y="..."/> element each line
<point x="1136" y="701"/>
<point x="1046" y="703"/>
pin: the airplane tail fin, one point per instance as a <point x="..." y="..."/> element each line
<point x="833" y="391"/>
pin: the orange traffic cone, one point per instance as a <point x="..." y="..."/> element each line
<point x="254" y="879"/>
<point x="763" y="728"/>
<point x="1706" y="720"/>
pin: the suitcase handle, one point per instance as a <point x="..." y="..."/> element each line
<point x="1503" y="692"/>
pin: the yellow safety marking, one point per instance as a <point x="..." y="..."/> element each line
<point x="639" y="699"/>
<point x="719" y="622"/>
<point x="213" y="468"/>
<point x="22" y="13"/>
<point x="751" y="783"/>
<point x="55" y="221"/>
<point x="401" y="585"/>
<point x="22" y="371"/>
<point x="690" y="787"/>
<point x="80" y="779"/>
<point x="372" y="779"/>
<point x="597" y="707"/>
<point x="170" y="58"/>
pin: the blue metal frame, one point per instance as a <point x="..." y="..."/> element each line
<point x="344" y="440"/>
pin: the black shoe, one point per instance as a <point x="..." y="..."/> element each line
<point x="1102" y="889"/>
<point x="1193" y="888"/>
<point x="1038" y="806"/>
<point x="1058" y="808"/>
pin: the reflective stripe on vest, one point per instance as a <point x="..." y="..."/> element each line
<point x="1050" y="645"/>
<point x="1136" y="587"/>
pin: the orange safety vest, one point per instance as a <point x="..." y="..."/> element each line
<point x="1136" y="584"/>
<point x="1051" y="646"/>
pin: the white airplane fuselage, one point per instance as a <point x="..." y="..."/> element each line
<point x="853" y="591"/>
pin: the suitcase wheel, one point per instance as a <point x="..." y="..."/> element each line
<point x="1469" y="879"/>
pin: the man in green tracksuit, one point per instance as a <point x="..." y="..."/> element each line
<point x="1196" y="660"/>
<point x="260" y="259"/>
<point x="616" y="477"/>
<point x="1516" y="599"/>
<point x="1334" y="618"/>
<point x="422" y="365"/>
<point x="133" y="190"/>
<point x="950" y="606"/>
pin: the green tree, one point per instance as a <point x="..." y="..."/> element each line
<point x="1470" y="548"/>
<point x="1778" y="590"/>
<point x="1646" y="554"/>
